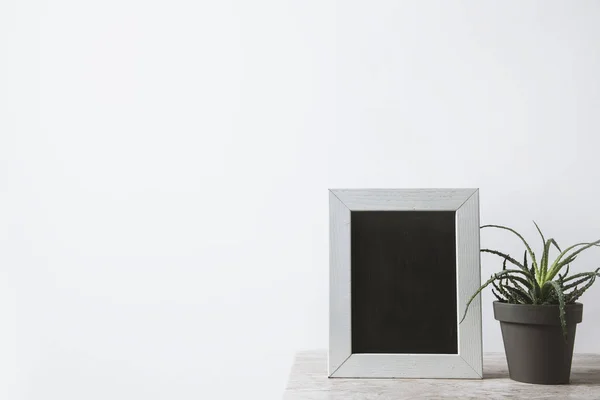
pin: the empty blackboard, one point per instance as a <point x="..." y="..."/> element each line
<point x="403" y="282"/>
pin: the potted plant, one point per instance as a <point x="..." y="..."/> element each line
<point x="538" y="310"/>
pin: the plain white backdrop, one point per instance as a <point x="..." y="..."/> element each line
<point x="165" y="165"/>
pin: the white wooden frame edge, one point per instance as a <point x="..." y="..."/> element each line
<point x="468" y="363"/>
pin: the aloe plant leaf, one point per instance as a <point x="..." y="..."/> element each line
<point x="546" y="246"/>
<point x="500" y="288"/>
<point x="503" y="283"/>
<point x="540" y="232"/>
<point x="498" y="296"/>
<point x="579" y="275"/>
<point x="596" y="272"/>
<point x="526" y="284"/>
<point x="585" y="244"/>
<point x="556" y="245"/>
<point x="544" y="262"/>
<point x="506" y="257"/>
<point x="537" y="292"/>
<point x="519" y="294"/>
<point x="567" y="262"/>
<point x="486" y="284"/>
<point x="516" y="271"/>
<point x="545" y="292"/>
<point x="576" y="294"/>
<point x="552" y="299"/>
<point x="559" y="262"/>
<point x="563" y="276"/>
<point x="561" y="306"/>
<point x="531" y="253"/>
<point x="579" y="281"/>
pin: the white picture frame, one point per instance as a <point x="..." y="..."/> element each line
<point x="342" y="363"/>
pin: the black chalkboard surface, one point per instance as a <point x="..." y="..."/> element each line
<point x="403" y="282"/>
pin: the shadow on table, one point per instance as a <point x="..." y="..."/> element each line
<point x="495" y="374"/>
<point x="578" y="377"/>
<point x="589" y="377"/>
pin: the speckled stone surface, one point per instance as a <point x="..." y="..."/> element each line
<point x="308" y="381"/>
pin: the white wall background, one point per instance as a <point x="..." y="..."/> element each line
<point x="165" y="165"/>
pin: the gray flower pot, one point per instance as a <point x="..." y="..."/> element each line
<point x="536" y="350"/>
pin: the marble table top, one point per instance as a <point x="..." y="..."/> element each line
<point x="308" y="381"/>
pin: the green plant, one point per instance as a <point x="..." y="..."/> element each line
<point x="536" y="283"/>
